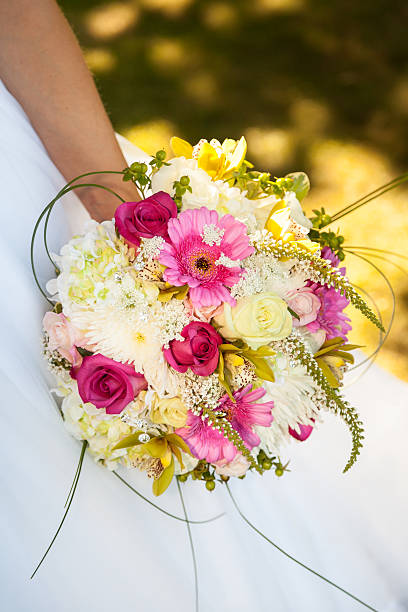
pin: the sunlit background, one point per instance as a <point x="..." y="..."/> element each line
<point x="313" y="85"/>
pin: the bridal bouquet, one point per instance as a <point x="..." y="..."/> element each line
<point x="204" y="327"/>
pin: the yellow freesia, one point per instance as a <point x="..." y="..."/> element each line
<point x="281" y="226"/>
<point x="220" y="161"/>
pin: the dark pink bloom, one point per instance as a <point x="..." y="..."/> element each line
<point x="208" y="443"/>
<point x="330" y="316"/>
<point x="145" y="219"/>
<point x="305" y="431"/>
<point x="199" y="243"/>
<point x="328" y="254"/>
<point x="199" y="350"/>
<point x="107" y="383"/>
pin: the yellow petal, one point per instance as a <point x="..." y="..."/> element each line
<point x="209" y="160"/>
<point x="308" y="245"/>
<point x="181" y="148"/>
<point x="166" y="458"/>
<point x="235" y="155"/>
<point x="278" y="222"/>
<point x="156" y="447"/>
<point x="235" y="360"/>
<point x="160" y="484"/>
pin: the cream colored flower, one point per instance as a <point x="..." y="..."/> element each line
<point x="257" y="320"/>
<point x="168" y="410"/>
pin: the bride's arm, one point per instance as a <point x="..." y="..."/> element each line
<point x="42" y="65"/>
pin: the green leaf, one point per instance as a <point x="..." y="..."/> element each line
<point x="330" y="377"/>
<point x="346" y="356"/>
<point x="177" y="452"/>
<point x="262" y="351"/>
<point x="229" y="348"/>
<point x="162" y="483"/>
<point x="83" y="352"/>
<point x="131" y="440"/>
<point x="179" y="293"/>
<point x="301" y="184"/>
<point x="293" y="313"/>
<point x="263" y="369"/>
<point x="221" y="377"/>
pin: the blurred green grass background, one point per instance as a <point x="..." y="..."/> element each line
<point x="313" y="85"/>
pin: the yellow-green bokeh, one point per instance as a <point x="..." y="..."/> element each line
<point x="313" y="85"/>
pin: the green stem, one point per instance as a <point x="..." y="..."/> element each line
<point x="381" y="273"/>
<point x="368" y="198"/>
<point x="293" y="558"/>
<point x="49" y="207"/>
<point x="190" y="537"/>
<point x="73" y="489"/>
<point x="60" y="195"/>
<point x="178" y="518"/>
<point x="365" y="248"/>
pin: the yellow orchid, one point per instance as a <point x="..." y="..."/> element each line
<point x="281" y="225"/>
<point x="220" y="161"/>
<point x="161" y="447"/>
<point x="332" y="357"/>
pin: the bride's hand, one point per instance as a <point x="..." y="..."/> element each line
<point x="42" y="65"/>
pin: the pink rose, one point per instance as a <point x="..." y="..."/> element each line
<point x="305" y="431"/>
<point x="199" y="350"/>
<point x="205" y="313"/>
<point x="63" y="336"/>
<point x="145" y="219"/>
<point x="305" y="303"/>
<point x="107" y="383"/>
<point x="237" y="467"/>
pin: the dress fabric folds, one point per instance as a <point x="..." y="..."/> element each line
<point x="116" y="552"/>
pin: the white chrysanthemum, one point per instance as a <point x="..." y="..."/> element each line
<point x="124" y="339"/>
<point x="291" y="394"/>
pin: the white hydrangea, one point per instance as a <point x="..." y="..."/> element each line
<point x="87" y="263"/>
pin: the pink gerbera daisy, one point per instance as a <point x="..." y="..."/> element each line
<point x="209" y="444"/>
<point x="201" y="244"/>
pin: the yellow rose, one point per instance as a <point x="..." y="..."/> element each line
<point x="169" y="410"/>
<point x="257" y="320"/>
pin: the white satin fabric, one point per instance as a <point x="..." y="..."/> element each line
<point x="116" y="552"/>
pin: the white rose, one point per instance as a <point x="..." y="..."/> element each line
<point x="203" y="190"/>
<point x="257" y="320"/>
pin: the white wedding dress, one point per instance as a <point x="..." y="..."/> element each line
<point x="117" y="553"/>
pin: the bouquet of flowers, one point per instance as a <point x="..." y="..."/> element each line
<point x="203" y="328"/>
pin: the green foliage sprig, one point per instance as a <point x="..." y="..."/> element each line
<point x="220" y="422"/>
<point x="139" y="172"/>
<point x="332" y="239"/>
<point x="259" y="184"/>
<point x="325" y="273"/>
<point x="180" y="188"/>
<point x="296" y="350"/>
